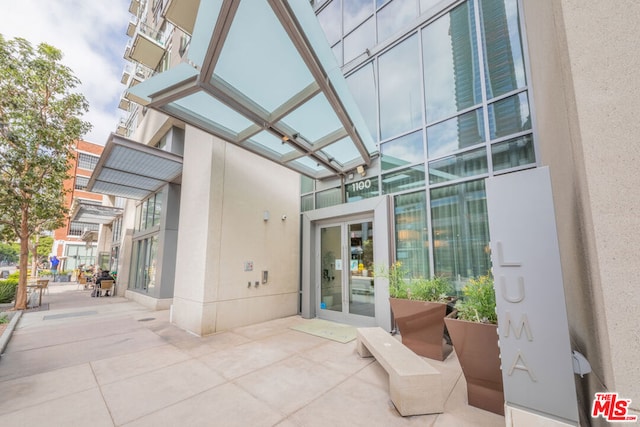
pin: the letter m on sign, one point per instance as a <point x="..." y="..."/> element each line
<point x="602" y="405"/>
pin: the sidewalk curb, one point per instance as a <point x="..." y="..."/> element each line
<point x="6" y="335"/>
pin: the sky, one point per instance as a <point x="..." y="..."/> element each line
<point x="92" y="37"/>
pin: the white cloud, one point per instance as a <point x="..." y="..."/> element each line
<point x="91" y="35"/>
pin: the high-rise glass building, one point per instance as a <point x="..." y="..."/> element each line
<point x="274" y="154"/>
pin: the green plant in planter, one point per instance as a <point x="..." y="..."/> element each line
<point x="436" y="289"/>
<point x="398" y="285"/>
<point x="479" y="301"/>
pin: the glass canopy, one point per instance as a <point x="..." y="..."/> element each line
<point x="260" y="74"/>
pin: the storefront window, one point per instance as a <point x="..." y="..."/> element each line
<point x="328" y="198"/>
<point x="144" y="264"/>
<point x="362" y="189"/>
<point x="405" y="179"/>
<point x="460" y="231"/>
<point x="461" y="165"/>
<point x="513" y="153"/>
<point x="412" y="237"/>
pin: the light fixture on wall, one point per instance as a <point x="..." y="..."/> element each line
<point x="361" y="171"/>
<point x="265" y="216"/>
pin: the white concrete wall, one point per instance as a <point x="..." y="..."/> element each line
<point x="225" y="191"/>
<point x="584" y="64"/>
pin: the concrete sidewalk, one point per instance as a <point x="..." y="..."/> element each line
<point x="111" y="362"/>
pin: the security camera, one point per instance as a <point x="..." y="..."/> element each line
<point x="284" y="217"/>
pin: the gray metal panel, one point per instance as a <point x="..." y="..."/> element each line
<point x="537" y="366"/>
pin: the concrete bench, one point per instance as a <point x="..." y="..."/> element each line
<point x="415" y="386"/>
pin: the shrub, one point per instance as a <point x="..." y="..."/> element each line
<point x="479" y="301"/>
<point x="436" y="289"/>
<point x="8" y="290"/>
<point x="4" y="319"/>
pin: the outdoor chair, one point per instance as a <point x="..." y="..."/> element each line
<point x="105" y="285"/>
<point x="44" y="284"/>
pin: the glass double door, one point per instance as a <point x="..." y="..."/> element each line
<point x="345" y="290"/>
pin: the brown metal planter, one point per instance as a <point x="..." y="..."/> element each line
<point x="476" y="345"/>
<point x="421" y="325"/>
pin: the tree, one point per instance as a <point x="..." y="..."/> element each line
<point x="40" y="119"/>
<point x="8" y="254"/>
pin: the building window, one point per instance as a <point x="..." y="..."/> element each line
<point x="116" y="230"/>
<point x="77" y="228"/>
<point x="81" y="182"/>
<point x="149" y="212"/>
<point x="143" y="268"/>
<point x="460" y="231"/>
<point x="87" y="161"/>
<point x="412" y="237"/>
<point x="79" y="256"/>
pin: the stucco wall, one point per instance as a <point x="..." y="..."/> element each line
<point x="584" y="90"/>
<point x="225" y="192"/>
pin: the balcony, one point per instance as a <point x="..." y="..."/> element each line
<point x="182" y="13"/>
<point x="140" y="73"/>
<point x="134" y="6"/>
<point x="147" y="46"/>
<point x="126" y="73"/>
<point x="131" y="27"/>
<point x="122" y="127"/>
<point x="124" y="104"/>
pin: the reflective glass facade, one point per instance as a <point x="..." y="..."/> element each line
<point x="443" y="90"/>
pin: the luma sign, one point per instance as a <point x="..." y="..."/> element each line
<point x="537" y="367"/>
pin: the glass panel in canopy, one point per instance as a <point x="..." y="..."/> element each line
<point x="274" y="71"/>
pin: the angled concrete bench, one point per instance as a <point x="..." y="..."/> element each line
<point x="415" y="386"/>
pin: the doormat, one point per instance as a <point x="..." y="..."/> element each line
<point x="329" y="330"/>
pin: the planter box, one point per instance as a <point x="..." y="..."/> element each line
<point x="476" y="345"/>
<point x="421" y="325"/>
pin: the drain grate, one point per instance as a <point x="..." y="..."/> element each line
<point x="146" y="319"/>
<point x="65" y="315"/>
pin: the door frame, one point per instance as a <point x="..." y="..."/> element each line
<point x="378" y="208"/>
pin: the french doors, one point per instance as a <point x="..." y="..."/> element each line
<point x="345" y="285"/>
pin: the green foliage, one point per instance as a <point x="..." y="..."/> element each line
<point x="45" y="244"/>
<point x="434" y="289"/>
<point x="479" y="301"/>
<point x="398" y="286"/>
<point x="4" y="319"/>
<point x="8" y="253"/>
<point x="40" y="119"/>
<point x="8" y="290"/>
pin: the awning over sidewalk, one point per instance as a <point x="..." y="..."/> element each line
<point x="132" y="170"/>
<point x="260" y="74"/>
<point x="93" y="213"/>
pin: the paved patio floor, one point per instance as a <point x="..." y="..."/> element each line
<point x="111" y="362"/>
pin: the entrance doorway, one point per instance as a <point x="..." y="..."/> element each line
<point x="347" y="291"/>
<point x="340" y="246"/>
